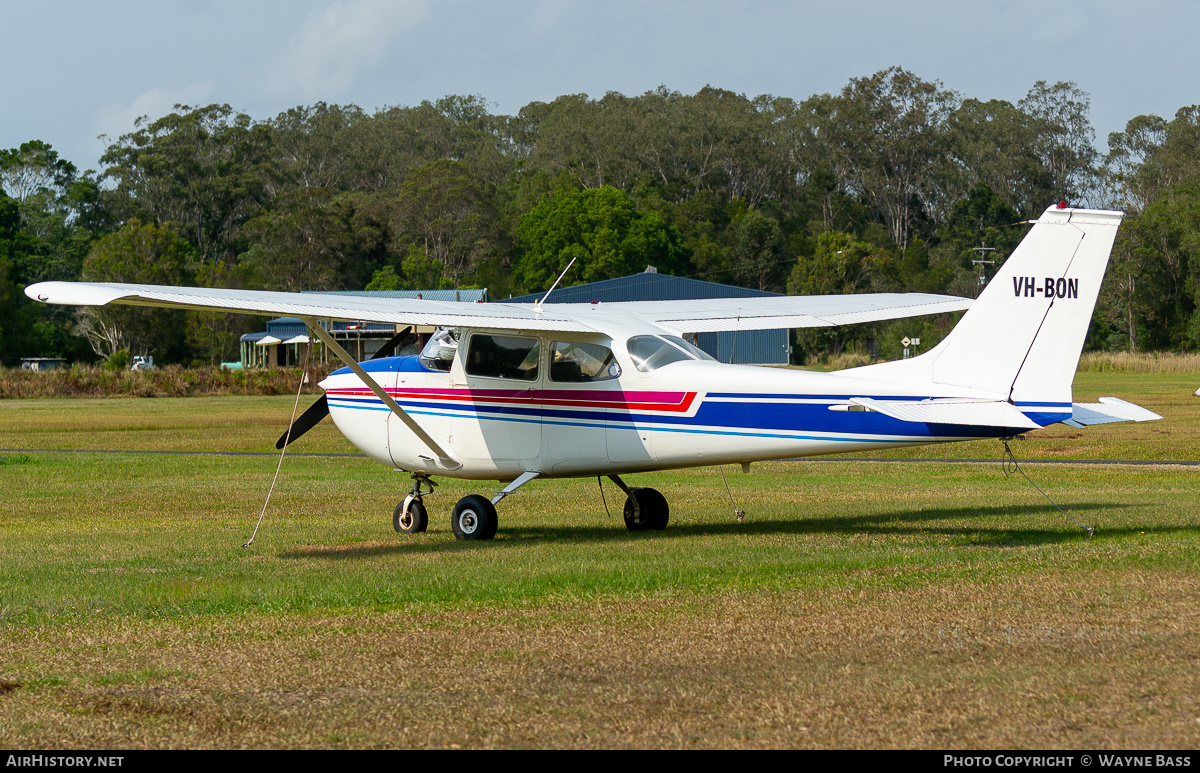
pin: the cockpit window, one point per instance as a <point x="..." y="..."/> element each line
<point x="653" y="352"/>
<point x="503" y="357"/>
<point x="581" y="363"/>
<point x="439" y="352"/>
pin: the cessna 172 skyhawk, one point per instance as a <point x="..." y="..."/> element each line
<point x="516" y="392"/>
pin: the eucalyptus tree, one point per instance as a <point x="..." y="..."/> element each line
<point x="312" y="147"/>
<point x="480" y="140"/>
<point x="593" y="141"/>
<point x="1065" y="140"/>
<point x="138" y="253"/>
<point x="885" y="136"/>
<point x="60" y="210"/>
<point x="749" y="164"/>
<point x="1153" y="156"/>
<point x="995" y="143"/>
<point x="661" y="143"/>
<point x="1151" y="295"/>
<point x="53" y="216"/>
<point x="34" y="168"/>
<point x="444" y="221"/>
<point x="312" y="239"/>
<point x="203" y="169"/>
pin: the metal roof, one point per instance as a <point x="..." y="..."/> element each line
<point x="643" y="287"/>
<point x="295" y="326"/>
<point x="473" y="295"/>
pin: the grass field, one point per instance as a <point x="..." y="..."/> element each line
<point x="861" y="604"/>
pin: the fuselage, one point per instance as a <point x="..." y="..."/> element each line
<point x="633" y="416"/>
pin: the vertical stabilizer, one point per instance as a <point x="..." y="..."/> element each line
<point x="1049" y="368"/>
<point x="1023" y="336"/>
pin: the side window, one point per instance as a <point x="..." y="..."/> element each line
<point x="503" y="357"/>
<point x="579" y="363"/>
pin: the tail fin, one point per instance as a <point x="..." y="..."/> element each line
<point x="1023" y="336"/>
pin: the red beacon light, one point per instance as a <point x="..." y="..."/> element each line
<point x="1062" y="205"/>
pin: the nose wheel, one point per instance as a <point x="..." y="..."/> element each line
<point x="410" y="516"/>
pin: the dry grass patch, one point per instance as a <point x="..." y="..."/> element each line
<point x="1035" y="665"/>
<point x="1148" y="362"/>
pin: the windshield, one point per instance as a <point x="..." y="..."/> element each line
<point x="439" y="352"/>
<point x="652" y="352"/>
<point x="690" y="347"/>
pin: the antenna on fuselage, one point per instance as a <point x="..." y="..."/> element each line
<point x="538" y="306"/>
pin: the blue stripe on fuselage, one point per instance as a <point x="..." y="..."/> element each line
<point x="755" y="418"/>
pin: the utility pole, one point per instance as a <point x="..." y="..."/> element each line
<point x="982" y="263"/>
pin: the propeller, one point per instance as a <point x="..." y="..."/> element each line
<point x="320" y="409"/>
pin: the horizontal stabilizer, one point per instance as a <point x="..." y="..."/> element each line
<point x="1108" y="411"/>
<point x="979" y="413"/>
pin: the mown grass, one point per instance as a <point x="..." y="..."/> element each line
<point x="167" y="539"/>
<point x="860" y="603"/>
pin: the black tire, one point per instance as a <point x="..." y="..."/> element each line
<point x="417" y="520"/>
<point x="650" y="513"/>
<point x="474" y="518"/>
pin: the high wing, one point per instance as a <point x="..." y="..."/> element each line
<point x="394" y="310"/>
<point x="685" y="316"/>
<point x="790" y="311"/>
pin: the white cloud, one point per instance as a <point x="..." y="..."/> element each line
<point x="340" y="43"/>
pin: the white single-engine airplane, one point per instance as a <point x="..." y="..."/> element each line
<point x="515" y="392"/>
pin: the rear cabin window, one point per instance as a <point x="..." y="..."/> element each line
<point x="503" y="357"/>
<point x="582" y="363"/>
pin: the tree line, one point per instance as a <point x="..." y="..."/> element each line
<point x="893" y="184"/>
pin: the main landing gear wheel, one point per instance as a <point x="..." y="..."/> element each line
<point x="646" y="509"/>
<point x="474" y="518"/>
<point x="415" y="520"/>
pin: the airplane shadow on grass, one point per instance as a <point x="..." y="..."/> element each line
<point x="918" y="523"/>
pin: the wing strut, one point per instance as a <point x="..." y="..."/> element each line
<point x="444" y="459"/>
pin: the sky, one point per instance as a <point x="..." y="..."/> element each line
<point x="72" y="71"/>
